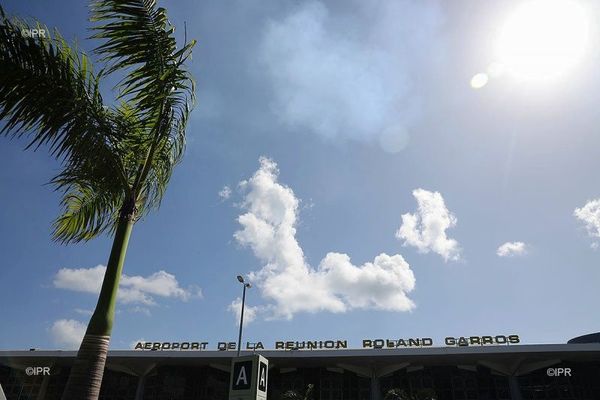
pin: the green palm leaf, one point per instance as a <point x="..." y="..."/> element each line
<point x="139" y="39"/>
<point x="49" y="93"/>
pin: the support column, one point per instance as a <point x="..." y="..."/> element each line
<point x="515" y="389"/>
<point x="139" y="392"/>
<point x="43" y="387"/>
<point x="374" y="374"/>
<point x="515" y="369"/>
<point x="142" y="374"/>
<point x="375" y="387"/>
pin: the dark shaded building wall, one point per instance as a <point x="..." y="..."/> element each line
<point x="450" y="382"/>
<point x="206" y="383"/>
<point x="584" y="383"/>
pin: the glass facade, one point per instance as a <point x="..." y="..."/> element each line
<point x="17" y="385"/>
<point x="186" y="383"/>
<point x="584" y="383"/>
<point x="450" y="382"/>
<point x="172" y="382"/>
<point x="329" y="383"/>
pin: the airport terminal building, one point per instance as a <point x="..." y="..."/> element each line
<point x="545" y="371"/>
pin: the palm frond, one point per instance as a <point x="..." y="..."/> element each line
<point x="112" y="157"/>
<point x="138" y="37"/>
<point x="49" y="92"/>
<point x="167" y="154"/>
<point x="87" y="212"/>
<point x="50" y="95"/>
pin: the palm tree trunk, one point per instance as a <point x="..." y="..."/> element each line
<point x="86" y="373"/>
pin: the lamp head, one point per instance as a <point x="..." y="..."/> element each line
<point x="248" y="285"/>
<point x="239" y="278"/>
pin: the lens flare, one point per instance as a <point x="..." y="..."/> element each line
<point x="479" y="80"/>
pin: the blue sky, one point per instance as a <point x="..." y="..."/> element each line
<point x="339" y="119"/>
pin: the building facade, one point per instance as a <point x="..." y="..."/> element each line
<point x="517" y="372"/>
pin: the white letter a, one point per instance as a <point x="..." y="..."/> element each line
<point x="242" y="376"/>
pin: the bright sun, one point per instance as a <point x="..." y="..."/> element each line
<point x="543" y="39"/>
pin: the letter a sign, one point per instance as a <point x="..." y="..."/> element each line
<point x="242" y="375"/>
<point x="249" y="378"/>
<point x="262" y="376"/>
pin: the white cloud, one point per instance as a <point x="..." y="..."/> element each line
<point x="80" y="279"/>
<point x="349" y="76"/>
<point x="68" y="333"/>
<point x="132" y="289"/>
<point x="225" y="193"/>
<point x="161" y="283"/>
<point x="426" y="228"/>
<point x="249" y="312"/>
<point x="511" y="249"/>
<point x="141" y="310"/>
<point x="288" y="282"/>
<point x="83" y="312"/>
<point x="589" y="214"/>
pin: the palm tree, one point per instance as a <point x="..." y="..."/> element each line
<point x="400" y="394"/>
<point x="116" y="160"/>
<point x="295" y="395"/>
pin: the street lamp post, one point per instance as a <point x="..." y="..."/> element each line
<point x="246" y="285"/>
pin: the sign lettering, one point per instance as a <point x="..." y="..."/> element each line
<point x="379" y="343"/>
<point x="262" y="377"/>
<point x="242" y="377"/>
<point x="243" y="373"/>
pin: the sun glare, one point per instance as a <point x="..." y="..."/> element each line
<point x="543" y="39"/>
